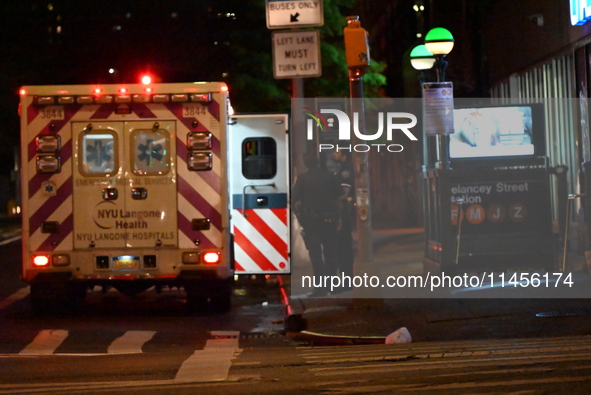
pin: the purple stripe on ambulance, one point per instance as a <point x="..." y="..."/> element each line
<point x="184" y="225"/>
<point x="209" y="177"/>
<point x="200" y="203"/>
<point x="54" y="240"/>
<point x="142" y="111"/>
<point x="104" y="111"/>
<point x="52" y="127"/>
<point x="50" y="205"/>
<point x="214" y="109"/>
<point x="36" y="182"/>
<point x="177" y="110"/>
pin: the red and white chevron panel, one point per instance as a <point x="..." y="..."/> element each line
<point x="260" y="241"/>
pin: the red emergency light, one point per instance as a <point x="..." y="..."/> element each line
<point x="211" y="258"/>
<point x="40" y="260"/>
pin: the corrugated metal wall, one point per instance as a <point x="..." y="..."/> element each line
<point x="553" y="84"/>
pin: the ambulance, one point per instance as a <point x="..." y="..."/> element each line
<point x="133" y="186"/>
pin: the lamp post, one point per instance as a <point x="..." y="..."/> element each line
<point x="436" y="171"/>
<point x="439" y="41"/>
<point x="421" y="59"/>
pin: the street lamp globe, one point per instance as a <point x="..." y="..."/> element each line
<point x="421" y="58"/>
<point x="439" y="41"/>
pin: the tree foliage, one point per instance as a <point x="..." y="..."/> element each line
<point x="249" y="57"/>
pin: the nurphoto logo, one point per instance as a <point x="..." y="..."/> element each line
<point x="388" y="123"/>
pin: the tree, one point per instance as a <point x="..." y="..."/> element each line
<point x="248" y="56"/>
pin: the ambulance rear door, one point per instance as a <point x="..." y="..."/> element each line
<point x="124" y="184"/>
<point x="259" y="188"/>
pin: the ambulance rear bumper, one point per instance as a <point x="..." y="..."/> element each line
<point x="194" y="274"/>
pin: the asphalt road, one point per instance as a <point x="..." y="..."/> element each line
<point x="150" y="344"/>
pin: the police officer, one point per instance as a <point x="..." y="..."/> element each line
<point x="316" y="201"/>
<point x="346" y="176"/>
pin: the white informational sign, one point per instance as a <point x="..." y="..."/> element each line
<point x="438" y="108"/>
<point x="296" y="54"/>
<point x="283" y="14"/>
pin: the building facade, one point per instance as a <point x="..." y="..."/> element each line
<point x="540" y="51"/>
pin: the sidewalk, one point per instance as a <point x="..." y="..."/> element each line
<point x="345" y="320"/>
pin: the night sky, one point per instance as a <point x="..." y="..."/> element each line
<point x="56" y="42"/>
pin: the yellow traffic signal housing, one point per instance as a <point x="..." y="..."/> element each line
<point x="356" y="46"/>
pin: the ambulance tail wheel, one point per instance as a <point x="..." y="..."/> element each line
<point x="196" y="302"/>
<point x="222" y="303"/>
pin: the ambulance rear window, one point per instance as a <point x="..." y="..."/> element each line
<point x="151" y="154"/>
<point x="98" y="154"/>
<point x="259" y="158"/>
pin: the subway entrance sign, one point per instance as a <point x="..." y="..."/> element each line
<point x="505" y="213"/>
<point x="499" y="188"/>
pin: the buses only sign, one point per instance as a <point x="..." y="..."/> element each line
<point x="283" y="14"/>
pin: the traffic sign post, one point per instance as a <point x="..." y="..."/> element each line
<point x="296" y="54"/>
<point x="282" y="14"/>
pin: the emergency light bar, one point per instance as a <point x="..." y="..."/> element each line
<point x="106" y="99"/>
<point x="137" y="93"/>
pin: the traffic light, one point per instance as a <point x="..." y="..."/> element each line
<point x="356" y="46"/>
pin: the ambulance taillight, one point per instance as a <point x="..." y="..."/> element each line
<point x="211" y="258"/>
<point x="40" y="260"/>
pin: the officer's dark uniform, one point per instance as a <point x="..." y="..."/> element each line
<point x="345" y="253"/>
<point x="315" y="197"/>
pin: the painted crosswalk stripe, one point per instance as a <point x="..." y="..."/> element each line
<point x="46" y="342"/>
<point x="131" y="342"/>
<point x="18" y="295"/>
<point x="213" y="362"/>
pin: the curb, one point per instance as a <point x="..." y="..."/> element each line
<point x="328" y="340"/>
<point x="296" y="325"/>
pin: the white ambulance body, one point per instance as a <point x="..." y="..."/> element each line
<point x="259" y="182"/>
<point x="128" y="186"/>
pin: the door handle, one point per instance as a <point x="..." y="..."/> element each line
<point x="139" y="193"/>
<point x="110" y="194"/>
<point x="253" y="186"/>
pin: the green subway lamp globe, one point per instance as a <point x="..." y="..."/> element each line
<point x="439" y="41"/>
<point x="421" y="58"/>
